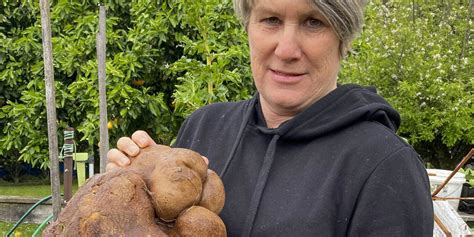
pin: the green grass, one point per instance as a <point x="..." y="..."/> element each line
<point x="38" y="190"/>
<point x="24" y="190"/>
<point x="23" y="230"/>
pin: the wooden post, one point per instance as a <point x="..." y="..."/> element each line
<point x="50" y="106"/>
<point x="104" y="133"/>
<point x="68" y="153"/>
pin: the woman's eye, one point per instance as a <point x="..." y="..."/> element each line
<point x="271" y="20"/>
<point x="314" y="23"/>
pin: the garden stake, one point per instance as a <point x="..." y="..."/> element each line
<point x="50" y="105"/>
<point x="442" y="226"/>
<point x="68" y="153"/>
<point x="459" y="166"/>
<point x="453" y="198"/>
<point x="101" y="54"/>
<point x="434" y="197"/>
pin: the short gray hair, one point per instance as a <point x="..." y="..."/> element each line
<point x="346" y="17"/>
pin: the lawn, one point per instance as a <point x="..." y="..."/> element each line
<point x="22" y="230"/>
<point x="24" y="190"/>
<point x="29" y="190"/>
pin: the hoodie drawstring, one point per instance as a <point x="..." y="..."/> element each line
<point x="261" y="182"/>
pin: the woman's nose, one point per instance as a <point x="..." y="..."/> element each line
<point x="288" y="46"/>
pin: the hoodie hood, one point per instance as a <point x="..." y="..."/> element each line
<point x="346" y="105"/>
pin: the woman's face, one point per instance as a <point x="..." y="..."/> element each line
<point x="294" y="54"/>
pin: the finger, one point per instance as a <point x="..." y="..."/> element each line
<point x="116" y="157"/>
<point x="205" y="160"/>
<point x="127" y="146"/>
<point x="142" y="139"/>
<point x="111" y="166"/>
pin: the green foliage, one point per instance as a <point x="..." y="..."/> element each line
<point x="469" y="175"/>
<point x="419" y="55"/>
<point x="167" y="58"/>
<point x="164" y="60"/>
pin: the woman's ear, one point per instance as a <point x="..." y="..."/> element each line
<point x="344" y="49"/>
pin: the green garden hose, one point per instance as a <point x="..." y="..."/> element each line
<point x="43" y="224"/>
<point x="26" y="214"/>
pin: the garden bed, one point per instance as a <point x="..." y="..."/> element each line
<point x="12" y="209"/>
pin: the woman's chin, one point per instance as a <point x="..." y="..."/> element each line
<point x="286" y="103"/>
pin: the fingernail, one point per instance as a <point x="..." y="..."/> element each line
<point x="142" y="141"/>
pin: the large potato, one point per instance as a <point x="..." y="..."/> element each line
<point x="157" y="195"/>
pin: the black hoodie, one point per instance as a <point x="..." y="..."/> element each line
<point x="335" y="169"/>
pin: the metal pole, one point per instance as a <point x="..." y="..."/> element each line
<point x="50" y="106"/>
<point x="101" y="47"/>
<point x="91" y="165"/>
<point x="68" y="153"/>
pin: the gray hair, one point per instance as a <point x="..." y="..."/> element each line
<point x="346" y="17"/>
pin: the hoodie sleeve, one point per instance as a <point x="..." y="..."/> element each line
<point x="180" y="140"/>
<point x="395" y="200"/>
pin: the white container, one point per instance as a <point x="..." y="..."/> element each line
<point x="452" y="189"/>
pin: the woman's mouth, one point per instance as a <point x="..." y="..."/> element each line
<point x="286" y="77"/>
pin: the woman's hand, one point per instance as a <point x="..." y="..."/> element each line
<point x="126" y="148"/>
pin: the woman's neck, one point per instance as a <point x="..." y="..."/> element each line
<point x="275" y="117"/>
<point x="275" y="122"/>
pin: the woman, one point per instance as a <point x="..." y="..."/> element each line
<point x="306" y="157"/>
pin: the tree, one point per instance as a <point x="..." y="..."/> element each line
<point x="167" y="58"/>
<point x="419" y="55"/>
<point x="164" y="59"/>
